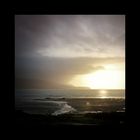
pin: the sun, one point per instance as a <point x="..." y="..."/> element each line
<point x="104" y="79"/>
<point x="101" y="79"/>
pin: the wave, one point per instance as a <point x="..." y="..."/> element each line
<point x="64" y="109"/>
<point x="120" y="111"/>
<point x="59" y="103"/>
<point x="89" y="112"/>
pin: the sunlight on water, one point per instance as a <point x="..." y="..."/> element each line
<point x="103" y="94"/>
<point x="103" y="91"/>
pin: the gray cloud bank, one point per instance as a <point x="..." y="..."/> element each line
<point x="55" y="72"/>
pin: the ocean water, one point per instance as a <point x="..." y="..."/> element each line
<point x="60" y="101"/>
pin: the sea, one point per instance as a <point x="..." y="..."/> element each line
<point x="64" y="101"/>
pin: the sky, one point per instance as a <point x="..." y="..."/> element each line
<point x="69" y="51"/>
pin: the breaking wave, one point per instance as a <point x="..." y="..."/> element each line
<point x="85" y="112"/>
<point x="65" y="108"/>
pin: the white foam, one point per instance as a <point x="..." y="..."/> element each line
<point x="120" y="111"/>
<point x="64" y="109"/>
<point x="85" y="112"/>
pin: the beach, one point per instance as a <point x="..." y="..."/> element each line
<point x="91" y="112"/>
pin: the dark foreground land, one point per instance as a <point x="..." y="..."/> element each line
<point x="115" y="119"/>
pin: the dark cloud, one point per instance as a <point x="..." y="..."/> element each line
<point x="53" y="35"/>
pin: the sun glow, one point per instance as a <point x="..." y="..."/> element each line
<point x="103" y="93"/>
<point x="101" y="79"/>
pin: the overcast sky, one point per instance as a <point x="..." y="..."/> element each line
<point x="51" y="49"/>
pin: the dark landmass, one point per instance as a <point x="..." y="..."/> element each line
<point x="115" y="119"/>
